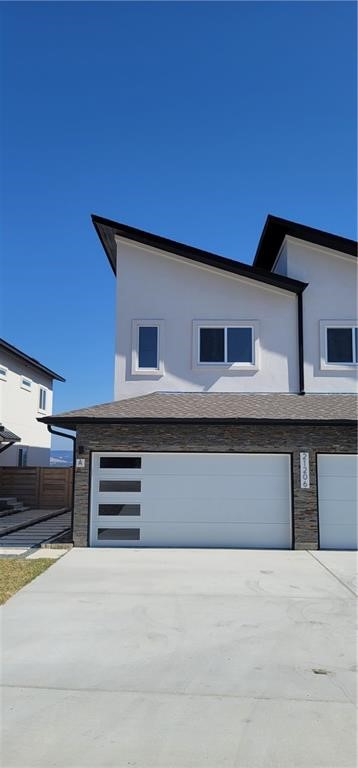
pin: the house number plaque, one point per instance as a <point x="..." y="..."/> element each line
<point x="305" y="470"/>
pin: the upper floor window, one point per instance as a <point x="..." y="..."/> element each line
<point x="25" y="383"/>
<point x="231" y="344"/>
<point x="225" y="345"/>
<point x="339" y="343"/>
<point x="147" y="347"/>
<point x="22" y="457"/>
<point x="3" y="372"/>
<point x="42" y="399"/>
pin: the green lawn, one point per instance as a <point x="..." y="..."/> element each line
<point x="16" y="572"/>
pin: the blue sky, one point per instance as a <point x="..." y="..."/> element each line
<point x="190" y="120"/>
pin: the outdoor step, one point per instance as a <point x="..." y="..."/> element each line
<point x="26" y="519"/>
<point x="34" y="535"/>
<point x="6" y="511"/>
<point x="8" y="499"/>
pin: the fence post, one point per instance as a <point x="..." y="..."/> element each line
<point x="38" y="487"/>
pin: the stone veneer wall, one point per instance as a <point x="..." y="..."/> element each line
<point x="236" y="438"/>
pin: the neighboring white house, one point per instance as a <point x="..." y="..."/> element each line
<point x="25" y="394"/>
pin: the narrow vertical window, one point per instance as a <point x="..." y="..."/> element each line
<point x="42" y="399"/>
<point x="148" y="346"/>
<point x="22" y="457"/>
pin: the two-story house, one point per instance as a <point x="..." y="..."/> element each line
<point x="234" y="415"/>
<point x="26" y="388"/>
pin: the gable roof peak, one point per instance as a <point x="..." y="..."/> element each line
<point x="277" y="229"/>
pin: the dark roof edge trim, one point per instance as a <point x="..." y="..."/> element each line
<point x="30" y="360"/>
<point x="276" y="229"/>
<point x="188" y="252"/>
<point x="67" y="420"/>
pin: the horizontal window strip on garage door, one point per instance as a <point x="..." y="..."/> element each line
<point x="120" y="462"/>
<point x="119" y="509"/>
<point x="119" y="486"/>
<point x="118" y="534"/>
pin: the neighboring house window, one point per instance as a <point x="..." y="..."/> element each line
<point x="22" y="457"/>
<point x="231" y="344"/>
<point x="25" y="383"/>
<point x="3" y="372"/>
<point x="147" y="347"/>
<point x="42" y="399"/>
<point x="339" y="344"/>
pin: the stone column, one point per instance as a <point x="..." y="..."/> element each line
<point x="305" y="506"/>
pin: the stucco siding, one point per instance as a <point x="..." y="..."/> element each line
<point x="330" y="295"/>
<point x="162" y="287"/>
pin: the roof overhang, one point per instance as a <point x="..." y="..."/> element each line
<point x="6" y="436"/>
<point x="30" y="360"/>
<point x="69" y="423"/>
<point x="108" y="230"/>
<point x="276" y="230"/>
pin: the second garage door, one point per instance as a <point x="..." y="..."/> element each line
<point x="191" y="500"/>
<point x="337" y="500"/>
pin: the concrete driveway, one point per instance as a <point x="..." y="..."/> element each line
<point x="178" y="658"/>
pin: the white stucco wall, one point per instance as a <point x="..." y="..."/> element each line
<point x="19" y="410"/>
<point x="156" y="286"/>
<point x="330" y="295"/>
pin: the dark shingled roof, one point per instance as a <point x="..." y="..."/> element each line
<point x="8" y="437"/>
<point x="216" y="407"/>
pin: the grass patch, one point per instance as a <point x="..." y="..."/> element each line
<point x="16" y="572"/>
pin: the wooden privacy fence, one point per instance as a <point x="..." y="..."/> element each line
<point x="38" y="487"/>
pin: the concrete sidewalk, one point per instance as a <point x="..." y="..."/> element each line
<point x="182" y="659"/>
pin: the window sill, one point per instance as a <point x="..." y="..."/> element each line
<point x="338" y="366"/>
<point x="228" y="367"/>
<point x="147" y="372"/>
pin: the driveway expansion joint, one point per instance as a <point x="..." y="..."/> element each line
<point x="332" y="573"/>
<point x="186" y="694"/>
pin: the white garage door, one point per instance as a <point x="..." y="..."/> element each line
<point x="190" y="500"/>
<point x="337" y="500"/>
